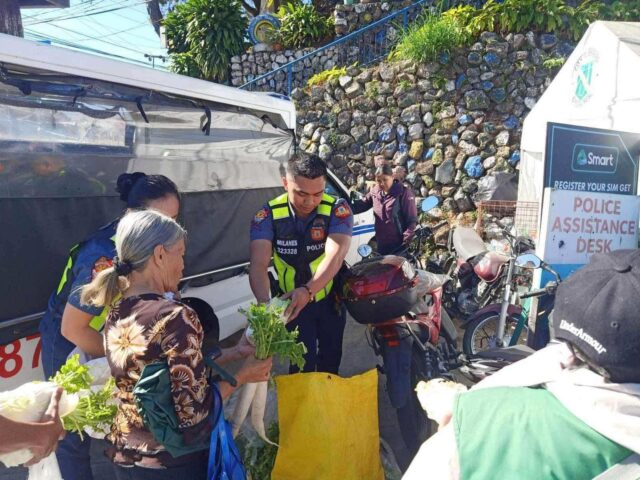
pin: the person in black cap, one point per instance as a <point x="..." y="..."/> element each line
<point x="571" y="411"/>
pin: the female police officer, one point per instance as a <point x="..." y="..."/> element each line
<point x="68" y="323"/>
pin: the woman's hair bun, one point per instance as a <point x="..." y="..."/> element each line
<point x="125" y="183"/>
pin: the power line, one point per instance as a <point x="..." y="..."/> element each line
<point x="96" y="23"/>
<point x="98" y="39"/>
<point x="59" y="19"/>
<point x="108" y="34"/>
<point x="79" y="8"/>
<point x="74" y="46"/>
<point x="47" y="13"/>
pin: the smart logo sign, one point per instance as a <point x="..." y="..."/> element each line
<point x="591" y="160"/>
<point x="594" y="159"/>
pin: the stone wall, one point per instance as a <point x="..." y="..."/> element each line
<point x="264" y="59"/>
<point x="349" y="18"/>
<point x="442" y="125"/>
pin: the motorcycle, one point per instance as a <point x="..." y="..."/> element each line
<point x="503" y="324"/>
<point x="480" y="278"/>
<point x="407" y="327"/>
<point x="479" y="365"/>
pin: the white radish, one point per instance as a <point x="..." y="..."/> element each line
<point x="242" y="407"/>
<point x="257" y="411"/>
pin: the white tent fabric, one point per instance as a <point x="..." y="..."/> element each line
<point x="610" y="99"/>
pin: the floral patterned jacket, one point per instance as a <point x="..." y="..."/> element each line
<point x="146" y="329"/>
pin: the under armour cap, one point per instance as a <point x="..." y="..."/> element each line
<point x="597" y="310"/>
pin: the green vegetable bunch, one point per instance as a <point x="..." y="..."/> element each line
<point x="94" y="411"/>
<point x="73" y="376"/>
<point x="259" y="457"/>
<point x="269" y="334"/>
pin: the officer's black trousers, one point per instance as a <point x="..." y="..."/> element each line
<point x="321" y="326"/>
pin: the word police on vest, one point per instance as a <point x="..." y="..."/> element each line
<point x="596" y="311"/>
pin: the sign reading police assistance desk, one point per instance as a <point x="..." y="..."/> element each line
<point x="590" y="202"/>
<point x="591" y="160"/>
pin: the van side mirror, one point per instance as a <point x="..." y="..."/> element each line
<point x="355" y="195"/>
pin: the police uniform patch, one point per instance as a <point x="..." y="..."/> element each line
<point x="342" y="211"/>
<point x="260" y="216"/>
<point x="317" y="234"/>
<point x="101" y="264"/>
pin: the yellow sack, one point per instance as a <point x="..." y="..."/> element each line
<point x="328" y="427"/>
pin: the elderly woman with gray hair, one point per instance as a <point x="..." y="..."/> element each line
<point x="145" y="327"/>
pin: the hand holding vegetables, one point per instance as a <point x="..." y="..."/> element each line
<point x="49" y="431"/>
<point x="267" y="331"/>
<point x="36" y="440"/>
<point x="269" y="334"/>
<point x="79" y="407"/>
<point x="254" y="370"/>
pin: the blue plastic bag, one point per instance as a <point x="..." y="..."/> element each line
<point x="224" y="459"/>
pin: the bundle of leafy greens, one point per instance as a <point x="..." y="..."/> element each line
<point x="73" y="376"/>
<point x="268" y="333"/>
<point x="258" y="457"/>
<point x="96" y="407"/>
<point x="94" y="413"/>
<point x="83" y="406"/>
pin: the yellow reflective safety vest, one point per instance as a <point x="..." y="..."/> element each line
<point x="64" y="287"/>
<point x="296" y="256"/>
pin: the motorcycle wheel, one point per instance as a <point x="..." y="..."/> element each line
<point x="480" y="333"/>
<point x="415" y="426"/>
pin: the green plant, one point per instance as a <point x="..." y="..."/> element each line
<point x="523" y="15"/>
<point x="301" y="26"/>
<point x="436" y="107"/>
<point x="553" y="62"/>
<point x="438" y="81"/>
<point x="372" y="89"/>
<point x="429" y="37"/>
<point x="259" y="457"/>
<point x="326" y="75"/>
<point x="332" y="138"/>
<point x="405" y="84"/>
<point x="621" y="11"/>
<point x="203" y="35"/>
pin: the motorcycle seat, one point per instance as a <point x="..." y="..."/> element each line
<point x="468" y="243"/>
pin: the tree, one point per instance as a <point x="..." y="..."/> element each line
<point x="10" y="18"/>
<point x="203" y="35"/>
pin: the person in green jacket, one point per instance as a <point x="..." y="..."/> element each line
<point x="570" y="411"/>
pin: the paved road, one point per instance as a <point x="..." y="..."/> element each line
<point x="357" y="358"/>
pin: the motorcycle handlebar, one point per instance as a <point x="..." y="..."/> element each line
<point x="534" y="293"/>
<point x="550" y="289"/>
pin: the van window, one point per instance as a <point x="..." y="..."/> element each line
<point x="333" y="190"/>
<point x="58" y="143"/>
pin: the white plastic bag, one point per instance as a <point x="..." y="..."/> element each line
<point x="46" y="469"/>
<point x="428" y="282"/>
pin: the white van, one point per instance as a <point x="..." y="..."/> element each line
<point x="70" y="123"/>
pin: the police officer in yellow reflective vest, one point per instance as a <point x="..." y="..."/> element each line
<point x="308" y="233"/>
<point x="67" y="323"/>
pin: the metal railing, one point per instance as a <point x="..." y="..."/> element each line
<point x="364" y="46"/>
